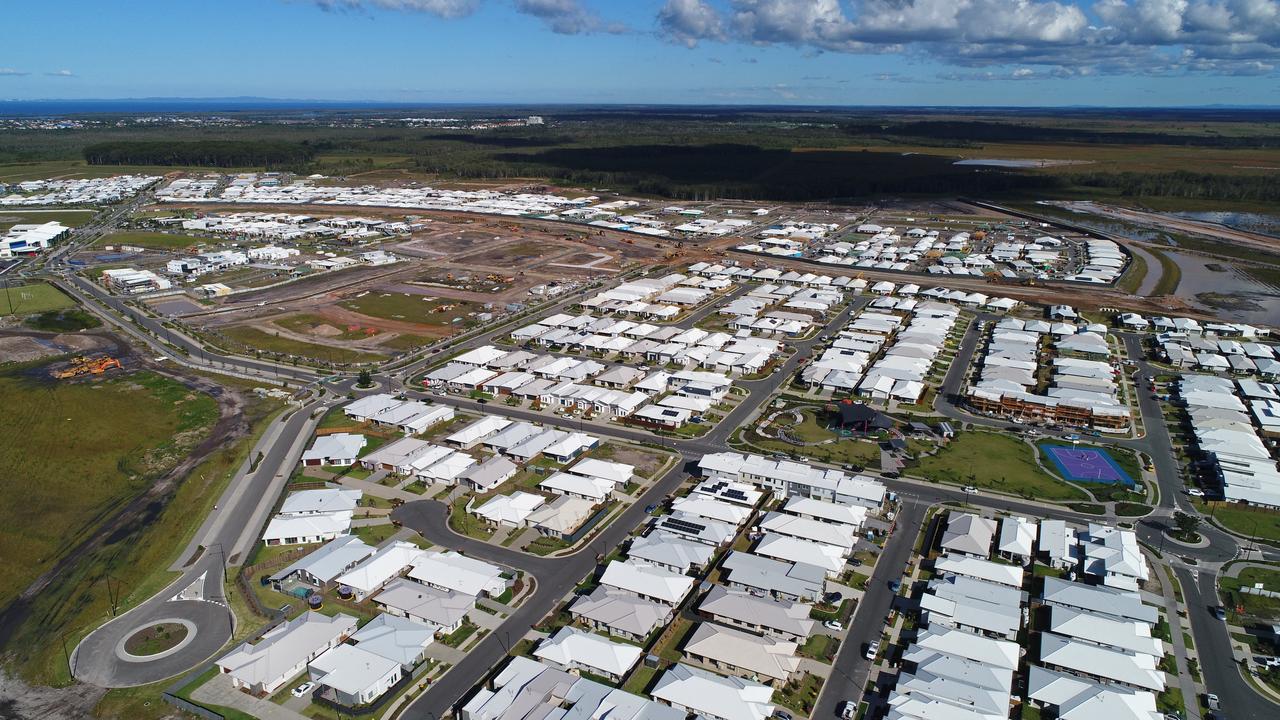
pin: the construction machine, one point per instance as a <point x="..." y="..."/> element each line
<point x="82" y="365"/>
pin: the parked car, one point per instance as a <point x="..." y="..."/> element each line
<point x="1195" y="492"/>
<point x="1212" y="701"/>
<point x="1031" y="432"/>
<point x="1220" y="612"/>
<point x="873" y="649"/>
<point x="1071" y="436"/>
<point x="781" y="715"/>
<point x="848" y="709"/>
<point x="970" y="489"/>
<point x="895" y="586"/>
<point x="833" y="625"/>
<point x="303" y="689"/>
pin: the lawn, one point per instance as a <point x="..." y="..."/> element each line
<point x="306" y="324"/>
<point x="842" y="452"/>
<point x="151" y="240"/>
<point x="32" y="299"/>
<point x="459" y="636"/>
<point x="405" y="341"/>
<point x="995" y="462"/>
<point x="464" y="523"/>
<point x="1245" y="519"/>
<point x="1255" y="605"/>
<point x="77" y="600"/>
<point x="640" y="679"/>
<point x="15" y="216"/>
<point x="422" y="309"/>
<point x="820" y="647"/>
<point x="544" y="545"/>
<point x="375" y="534"/>
<point x="256" y="339"/>
<point x="799" y="695"/>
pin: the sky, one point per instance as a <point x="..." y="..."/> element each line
<point x="787" y="52"/>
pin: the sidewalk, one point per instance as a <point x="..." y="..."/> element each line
<point x="1190" y="689"/>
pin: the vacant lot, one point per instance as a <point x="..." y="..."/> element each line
<point x="76" y="451"/>
<point x="151" y="240"/>
<point x="32" y="299"/>
<point x="1246" y="520"/>
<point x="421" y="309"/>
<point x="996" y="462"/>
<point x="315" y="325"/>
<point x="1255" y="605"/>
<point x="257" y="339"/>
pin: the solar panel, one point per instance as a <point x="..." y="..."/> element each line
<point x="735" y="494"/>
<point x="685" y="526"/>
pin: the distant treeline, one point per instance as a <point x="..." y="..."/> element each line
<point x="753" y="173"/>
<point x="206" y="153"/>
<point x="957" y="131"/>
<point x="1182" y="184"/>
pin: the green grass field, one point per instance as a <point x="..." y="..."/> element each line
<point x="411" y="308"/>
<point x="151" y="240"/>
<point x="86" y="467"/>
<point x="995" y="462"/>
<point x="259" y="340"/>
<point x="32" y="299"/>
<point x="1256" y="605"/>
<point x="1245" y="520"/>
<point x="21" y="216"/>
<point x="307" y="323"/>
<point x="1170" y="274"/>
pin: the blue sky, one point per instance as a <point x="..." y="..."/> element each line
<point x="845" y="52"/>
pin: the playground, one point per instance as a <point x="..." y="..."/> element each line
<point x="1092" y="465"/>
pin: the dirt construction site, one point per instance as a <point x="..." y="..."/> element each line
<point x="453" y="274"/>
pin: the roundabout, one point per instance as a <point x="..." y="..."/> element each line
<point x="160" y="639"/>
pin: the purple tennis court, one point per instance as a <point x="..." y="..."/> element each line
<point x="1088" y="465"/>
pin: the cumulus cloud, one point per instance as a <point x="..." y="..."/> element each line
<point x="688" y="21"/>
<point x="12" y="72"/>
<point x="61" y="73"/>
<point x="1066" y="36"/>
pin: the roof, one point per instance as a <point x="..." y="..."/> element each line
<point x="383" y="565"/>
<point x="570" y="647"/>
<point x="1079" y="699"/>
<point x="706" y="693"/>
<point x="995" y="572"/>
<point x="617" y="473"/>
<point x="577" y="485"/>
<point x="663" y="548"/>
<point x="528" y="690"/>
<point x="1130" y="635"/>
<point x="788" y="617"/>
<point x="350" y="669"/>
<point x="330" y="560"/>
<point x="455" y="571"/>
<point x="325" y="500"/>
<point x="511" y="509"/>
<point x="647" y="581"/>
<point x="285" y="647"/>
<point x="763" y="656"/>
<point x="831" y="512"/>
<point x="284" y="527"/>
<point x="796" y="579"/>
<point x="998" y="653"/>
<point x="444" y="608"/>
<point x="841" y="536"/>
<point x="1017" y="536"/>
<point x="395" y="638"/>
<point x="968" y="533"/>
<point x="1093" y="598"/>
<point x="337" y="445"/>
<point x="621" y="610"/>
<point x="1135" y="669"/>
<point x="563" y="515"/>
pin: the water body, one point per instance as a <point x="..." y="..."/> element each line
<point x="1226" y="291"/>
<point x="1251" y="222"/>
<point x="1023" y="163"/>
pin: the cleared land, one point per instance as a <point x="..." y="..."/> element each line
<point x="995" y="462"/>
<point x="257" y="339"/>
<point x="1255" y="605"/>
<point x="16" y="216"/>
<point x="422" y="309"/>
<point x="32" y="299"/>
<point x="151" y="240"/>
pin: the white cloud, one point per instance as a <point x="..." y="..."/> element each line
<point x="448" y="9"/>
<point x="12" y="72"/>
<point x="688" y="21"/>
<point x="565" y="17"/>
<point x="1068" y="37"/>
<point x="61" y="73"/>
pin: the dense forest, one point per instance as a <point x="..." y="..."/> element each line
<point x="204" y="153"/>
<point x="1259" y="188"/>
<point x="970" y="132"/>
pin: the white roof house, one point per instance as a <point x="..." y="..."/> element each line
<point x="969" y="534"/>
<point x="998" y="653"/>
<point x="840" y="536"/>
<point x="1076" y="698"/>
<point x="477" y="431"/>
<point x="380" y="568"/>
<point x="526" y="689"/>
<point x="395" y="638"/>
<point x="821" y="510"/>
<point x="356" y="676"/>
<point x="324" y="565"/>
<point x="620" y="613"/>
<point x="1017" y="538"/>
<point x="339" y="449"/>
<point x="283" y="652"/>
<point x="455" y="571"/>
<point x="571" y="648"/>
<point x="306" y="529"/>
<point x="647" y="581"/>
<point x="1138" y="670"/>
<point x="510" y="510"/>
<point x="743" y="653"/>
<point x="616" y="473"/>
<point x="671" y="552"/>
<point x="985" y="570"/>
<point x="712" y="696"/>
<point x="318" y="502"/>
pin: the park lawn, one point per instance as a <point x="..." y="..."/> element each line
<point x="151" y="240"/>
<point x="76" y="601"/>
<point x="405" y="341"/>
<point x="1244" y="519"/>
<point x="257" y="339"/>
<point x="1255" y="605"/>
<point x="32" y="299"/>
<point x="422" y="309"/>
<point x="995" y="462"/>
<point x="21" y="216"/>
<point x="841" y="452"/>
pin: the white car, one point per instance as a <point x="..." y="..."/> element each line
<point x="303" y="689"/>
<point x="970" y="489"/>
<point x="873" y="649"/>
<point x="833" y="625"/>
<point x="1195" y="492"/>
<point x="847" y="709"/>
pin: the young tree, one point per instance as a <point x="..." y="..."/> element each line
<point x="1186" y="522"/>
<point x="365" y="379"/>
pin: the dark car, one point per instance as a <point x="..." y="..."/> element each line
<point x="892" y="474"/>
<point x="895" y="586"/>
<point x="650" y="508"/>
